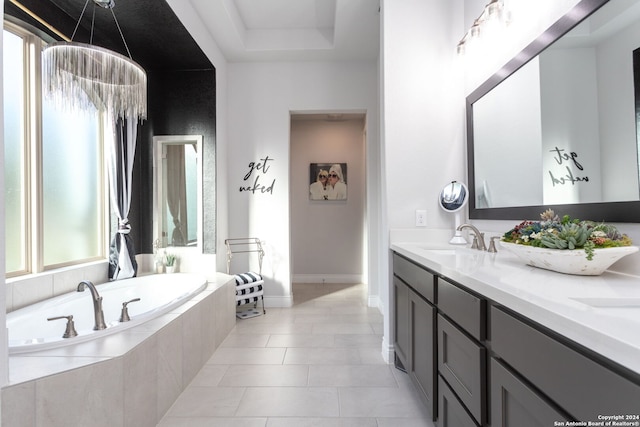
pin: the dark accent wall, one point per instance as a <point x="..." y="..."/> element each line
<point x="181" y="88"/>
<point x="179" y="103"/>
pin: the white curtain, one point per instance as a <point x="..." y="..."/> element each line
<point x="121" y="139"/>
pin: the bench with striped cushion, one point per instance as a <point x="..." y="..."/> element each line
<point x="248" y="288"/>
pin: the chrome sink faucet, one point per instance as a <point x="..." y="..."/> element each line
<point x="97" y="304"/>
<point x="479" y="237"/>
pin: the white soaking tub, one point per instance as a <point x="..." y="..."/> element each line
<point x="30" y="331"/>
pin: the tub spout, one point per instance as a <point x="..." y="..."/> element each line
<point x="479" y="236"/>
<point x="97" y="304"/>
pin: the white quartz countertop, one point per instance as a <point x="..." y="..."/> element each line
<point x="601" y="313"/>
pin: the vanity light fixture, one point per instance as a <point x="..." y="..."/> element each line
<point x="494" y="12"/>
<point x="80" y="75"/>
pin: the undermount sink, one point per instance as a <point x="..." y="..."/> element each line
<point x="610" y="302"/>
<point x="439" y="251"/>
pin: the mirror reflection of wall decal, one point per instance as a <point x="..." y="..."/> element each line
<point x="572" y="88"/>
<point x="258" y="169"/>
<point x="178" y="190"/>
<point x="565" y="175"/>
<point x="327" y="181"/>
<point x="453" y="198"/>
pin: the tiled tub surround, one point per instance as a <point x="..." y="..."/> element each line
<point x="600" y="313"/>
<point x="126" y="379"/>
<point x="26" y="290"/>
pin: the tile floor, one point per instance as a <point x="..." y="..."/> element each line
<point x="317" y="363"/>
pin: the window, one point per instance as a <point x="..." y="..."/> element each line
<point x="54" y="169"/>
<point x="14" y="151"/>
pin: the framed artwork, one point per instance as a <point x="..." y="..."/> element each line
<point x="328" y="181"/>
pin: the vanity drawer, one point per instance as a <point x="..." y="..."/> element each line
<point x="451" y="413"/>
<point x="576" y="383"/>
<point x="465" y="309"/>
<point x="415" y="276"/>
<point x="461" y="362"/>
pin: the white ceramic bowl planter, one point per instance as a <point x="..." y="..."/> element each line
<point x="569" y="261"/>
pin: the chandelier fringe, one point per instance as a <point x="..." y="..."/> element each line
<point x="83" y="76"/>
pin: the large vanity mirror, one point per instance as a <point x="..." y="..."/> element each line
<point x="177" y="191"/>
<point x="557" y="126"/>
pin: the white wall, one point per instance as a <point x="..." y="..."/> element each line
<point x="261" y="97"/>
<point x="423" y="111"/>
<point x="423" y="108"/>
<point x="328" y="237"/>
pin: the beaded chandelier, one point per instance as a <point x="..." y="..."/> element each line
<point x="84" y="76"/>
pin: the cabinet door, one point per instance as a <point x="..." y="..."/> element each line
<point x="423" y="367"/>
<point x="514" y="404"/>
<point x="401" y="345"/>
<point x="461" y="362"/>
<point x="578" y="384"/>
<point x="451" y="413"/>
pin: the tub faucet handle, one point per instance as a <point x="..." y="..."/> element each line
<point x="124" y="316"/>
<point x="70" y="330"/>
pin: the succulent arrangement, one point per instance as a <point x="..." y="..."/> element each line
<point x="554" y="232"/>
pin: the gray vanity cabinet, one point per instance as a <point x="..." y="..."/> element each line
<point x="415" y="326"/>
<point x="478" y="363"/>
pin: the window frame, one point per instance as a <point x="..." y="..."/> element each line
<point x="33" y="166"/>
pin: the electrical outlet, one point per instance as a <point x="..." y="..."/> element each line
<point x="421" y="218"/>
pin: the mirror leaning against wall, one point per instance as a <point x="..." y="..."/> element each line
<point x="177" y="196"/>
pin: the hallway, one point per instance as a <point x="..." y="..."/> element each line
<point x="315" y="364"/>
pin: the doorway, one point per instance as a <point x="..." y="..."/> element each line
<point x="328" y="198"/>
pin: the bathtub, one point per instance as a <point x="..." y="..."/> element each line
<point x="30" y="331"/>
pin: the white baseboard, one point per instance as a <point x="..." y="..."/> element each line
<point x="388" y="351"/>
<point x="327" y="278"/>
<point x="374" y="301"/>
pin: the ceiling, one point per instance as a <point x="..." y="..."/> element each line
<point x="292" y="30"/>
<point x="245" y="30"/>
<point x="153" y="33"/>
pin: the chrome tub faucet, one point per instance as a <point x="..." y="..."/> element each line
<point x="97" y="304"/>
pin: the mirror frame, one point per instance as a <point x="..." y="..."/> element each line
<point x="605" y="211"/>
<point x="158" y="143"/>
